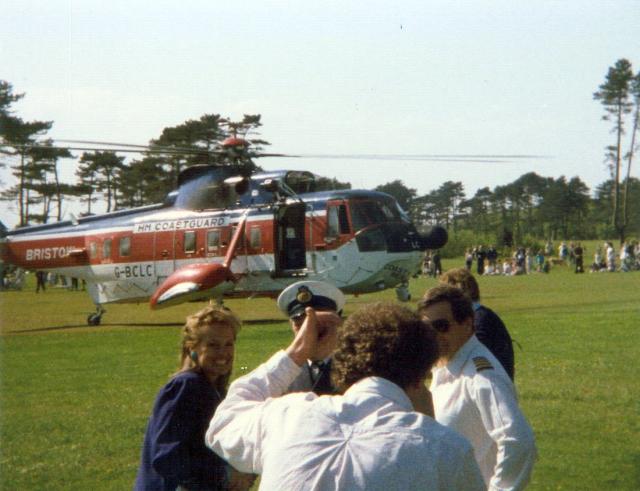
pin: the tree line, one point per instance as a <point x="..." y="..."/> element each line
<point x="520" y="213"/>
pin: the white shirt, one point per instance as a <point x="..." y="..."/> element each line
<point x="475" y="396"/>
<point x="369" y="438"/>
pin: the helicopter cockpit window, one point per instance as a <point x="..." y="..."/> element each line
<point x="206" y="192"/>
<point x="106" y="249"/>
<point x="125" y="246"/>
<point x="300" y="181"/>
<point x="189" y="242"/>
<point x="365" y="213"/>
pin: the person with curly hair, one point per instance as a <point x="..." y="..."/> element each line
<point x="174" y="455"/>
<point x="376" y="435"/>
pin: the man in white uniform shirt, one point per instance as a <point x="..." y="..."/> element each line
<point x="375" y="436"/>
<point x="474" y="395"/>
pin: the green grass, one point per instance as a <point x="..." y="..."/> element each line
<point x="75" y="399"/>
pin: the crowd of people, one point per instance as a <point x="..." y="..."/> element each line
<point x="486" y="261"/>
<point x="605" y="258"/>
<point x="348" y="404"/>
<point x="13" y="278"/>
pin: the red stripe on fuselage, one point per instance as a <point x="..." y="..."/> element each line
<point x="53" y="252"/>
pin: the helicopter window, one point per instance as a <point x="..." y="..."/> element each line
<point x="93" y="250"/>
<point x="106" y="249"/>
<point x="255" y="238"/>
<point x="337" y="221"/>
<point x="189" y="242"/>
<point x="213" y="240"/>
<point x="365" y="213"/>
<point x="125" y="246"/>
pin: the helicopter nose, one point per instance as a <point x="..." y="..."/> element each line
<point x="435" y="238"/>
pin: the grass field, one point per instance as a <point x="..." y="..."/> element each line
<point x="75" y="399"/>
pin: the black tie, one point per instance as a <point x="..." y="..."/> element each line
<point x="321" y="376"/>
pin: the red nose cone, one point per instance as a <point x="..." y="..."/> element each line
<point x="192" y="282"/>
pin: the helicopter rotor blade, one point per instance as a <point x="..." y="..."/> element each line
<point x="83" y="145"/>
<point x="141" y="149"/>
<point x="445" y="158"/>
<point x="145" y="148"/>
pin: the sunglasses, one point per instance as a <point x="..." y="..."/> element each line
<point x="298" y="320"/>
<point x="441" y="325"/>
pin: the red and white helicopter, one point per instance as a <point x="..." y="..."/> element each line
<point x="225" y="233"/>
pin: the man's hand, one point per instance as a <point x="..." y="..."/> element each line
<point x="306" y="340"/>
<point x="316" y="338"/>
<point x="327" y="324"/>
<point x="239" y="481"/>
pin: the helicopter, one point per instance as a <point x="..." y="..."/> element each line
<point x="231" y="231"/>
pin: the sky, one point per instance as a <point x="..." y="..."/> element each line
<point x="332" y="77"/>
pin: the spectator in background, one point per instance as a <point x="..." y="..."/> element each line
<point x="578" y="254"/>
<point x="548" y="248"/>
<point x="507" y="268"/>
<point x="468" y="259"/>
<point x="610" y="256"/>
<point x="492" y="256"/>
<point x="599" y="263"/>
<point x="563" y="251"/>
<point x="40" y="281"/>
<point x="539" y="261"/>
<point x="529" y="261"/>
<point x="437" y="263"/>
<point x="520" y="257"/>
<point x="480" y="257"/>
<point x="489" y="328"/>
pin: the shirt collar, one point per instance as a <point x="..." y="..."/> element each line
<point x="462" y="355"/>
<point x="382" y="388"/>
<point x="476" y="306"/>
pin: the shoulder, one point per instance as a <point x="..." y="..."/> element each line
<point x="484" y="316"/>
<point x="188" y="379"/>
<point x="446" y="442"/>
<point x="483" y="367"/>
<point x="184" y="384"/>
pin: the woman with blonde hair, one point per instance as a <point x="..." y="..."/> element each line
<point x="174" y="455"/>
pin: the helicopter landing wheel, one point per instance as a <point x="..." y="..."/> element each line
<point x="95" y="318"/>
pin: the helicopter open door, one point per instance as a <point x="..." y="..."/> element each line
<point x="289" y="246"/>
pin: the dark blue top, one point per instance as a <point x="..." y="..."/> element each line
<point x="174" y="452"/>
<point x="491" y="331"/>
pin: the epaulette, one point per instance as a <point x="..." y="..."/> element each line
<point x="482" y="363"/>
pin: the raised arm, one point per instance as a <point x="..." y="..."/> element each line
<point x="237" y="428"/>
